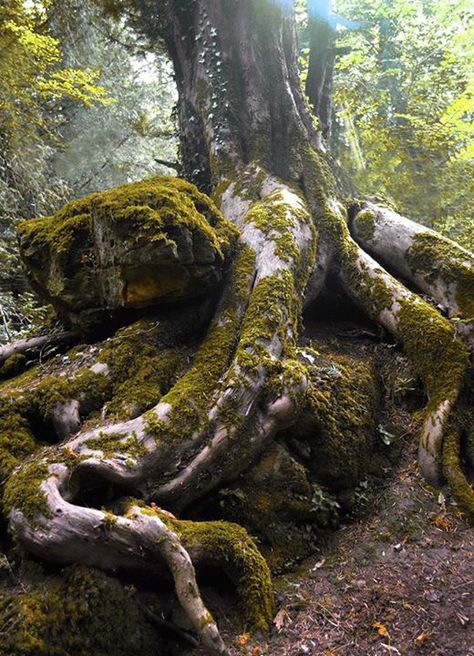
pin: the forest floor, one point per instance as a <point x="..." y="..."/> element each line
<point x="399" y="581"/>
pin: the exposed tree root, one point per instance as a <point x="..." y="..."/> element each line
<point x="35" y="345"/>
<point x="436" y="265"/>
<point x="430" y="341"/>
<point x="247" y="381"/>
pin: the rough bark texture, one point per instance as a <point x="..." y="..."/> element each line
<point x="319" y="83"/>
<point x="248" y="137"/>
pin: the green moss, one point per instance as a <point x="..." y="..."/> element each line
<point x="154" y="206"/>
<point x="246" y="185"/>
<point x="22" y="490"/>
<point x="16" y="440"/>
<point x="272" y="300"/>
<point x="436" y="257"/>
<point x="343" y="400"/>
<point x="112" y="444"/>
<point x="139" y="370"/>
<point x="230" y="546"/>
<point x="55" y="390"/>
<point x="84" y="612"/>
<point x="365" y="221"/>
<point x="272" y="217"/>
<point x="430" y="341"/>
<point x="12" y="365"/>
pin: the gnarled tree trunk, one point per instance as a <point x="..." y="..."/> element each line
<point x="248" y="139"/>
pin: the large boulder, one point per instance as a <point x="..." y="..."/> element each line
<point x="149" y="242"/>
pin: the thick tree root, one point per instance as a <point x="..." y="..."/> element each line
<point x="244" y="385"/>
<point x="439" y="357"/>
<point x="430" y="340"/>
<point x="436" y="265"/>
<point x="35" y="345"/>
<point x="139" y="539"/>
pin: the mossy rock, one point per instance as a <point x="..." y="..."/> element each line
<point x="83" y="612"/>
<point x="149" y="242"/>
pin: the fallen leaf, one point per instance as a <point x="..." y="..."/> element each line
<point x="281" y="619"/>
<point x="441" y="522"/>
<point x="381" y="629"/>
<point x="256" y="651"/>
<point x="243" y="639"/>
<point x="422" y="638"/>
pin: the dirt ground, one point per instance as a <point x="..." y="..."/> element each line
<point x="400" y="581"/>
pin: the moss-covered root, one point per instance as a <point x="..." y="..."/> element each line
<point x="52" y="528"/>
<point x="229" y="546"/>
<point x="462" y="489"/>
<point x="438" y="266"/>
<point x="12" y="356"/>
<point x="263" y="383"/>
<point x="439" y="356"/>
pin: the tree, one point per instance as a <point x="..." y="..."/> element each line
<point x="276" y="234"/>
<point x="404" y="94"/>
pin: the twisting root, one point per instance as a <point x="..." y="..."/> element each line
<point x="439" y="356"/>
<point x="430" y="340"/>
<point x="64" y="532"/>
<point x="436" y="265"/>
<point x="244" y="384"/>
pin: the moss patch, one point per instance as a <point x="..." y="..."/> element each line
<point x="436" y="257"/>
<point x="82" y="613"/>
<point x="159" y="239"/>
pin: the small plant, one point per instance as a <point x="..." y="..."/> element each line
<point x="385" y="435"/>
<point x="323" y="501"/>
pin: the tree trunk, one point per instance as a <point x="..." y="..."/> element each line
<point x="248" y="138"/>
<point x="322" y="54"/>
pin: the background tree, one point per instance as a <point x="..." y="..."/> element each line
<point x="404" y="100"/>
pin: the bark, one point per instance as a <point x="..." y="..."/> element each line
<point x="35" y="345"/>
<point x="248" y="137"/>
<point x="322" y="54"/>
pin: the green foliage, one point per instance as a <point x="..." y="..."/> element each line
<point x="33" y="83"/>
<point x="33" y="86"/>
<point x="108" y="146"/>
<point x="404" y="98"/>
